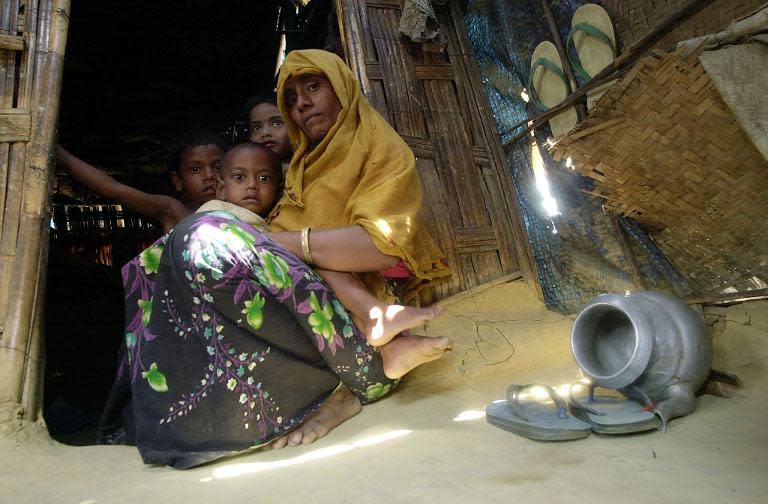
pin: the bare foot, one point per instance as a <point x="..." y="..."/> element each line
<point x="339" y="407"/>
<point x="407" y="352"/>
<point x="387" y="322"/>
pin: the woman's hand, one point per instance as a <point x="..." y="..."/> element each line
<point x="339" y="249"/>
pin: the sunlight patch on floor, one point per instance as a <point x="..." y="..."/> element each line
<point x="241" y="469"/>
<point x="468" y="415"/>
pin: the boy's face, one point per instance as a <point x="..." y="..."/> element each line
<point x="249" y="180"/>
<point x="313" y="104"/>
<point x="268" y="129"/>
<point x="198" y="173"/>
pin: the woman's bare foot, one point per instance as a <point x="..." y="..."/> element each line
<point x="386" y="322"/>
<point x="407" y="352"/>
<point x="339" y="407"/>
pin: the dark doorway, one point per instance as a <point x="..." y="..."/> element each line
<point x="136" y="76"/>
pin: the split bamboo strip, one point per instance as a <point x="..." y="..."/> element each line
<point x="15" y="125"/>
<point x="11" y="42"/>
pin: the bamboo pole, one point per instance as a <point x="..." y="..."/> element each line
<point x="11" y="157"/>
<point x="606" y="75"/>
<point x="629" y="256"/>
<point x="11" y="42"/>
<point x="730" y="298"/>
<point x="21" y="367"/>
<point x="351" y="29"/>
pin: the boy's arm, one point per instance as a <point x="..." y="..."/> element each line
<point x="165" y="209"/>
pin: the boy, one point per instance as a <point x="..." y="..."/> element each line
<point x="194" y="167"/>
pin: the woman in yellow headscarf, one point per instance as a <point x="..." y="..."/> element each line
<point x="352" y="179"/>
<point x="352" y="194"/>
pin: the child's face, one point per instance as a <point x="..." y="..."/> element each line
<point x="198" y="173"/>
<point x="313" y="104"/>
<point x="249" y="180"/>
<point x="268" y="129"/>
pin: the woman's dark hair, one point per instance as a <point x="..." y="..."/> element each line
<point x="265" y="97"/>
<point x="192" y="138"/>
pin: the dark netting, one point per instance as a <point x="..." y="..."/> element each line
<point x="577" y="252"/>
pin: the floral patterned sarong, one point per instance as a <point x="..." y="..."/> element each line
<point x="230" y="342"/>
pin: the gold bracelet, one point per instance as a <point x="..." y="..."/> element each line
<point x="305" y="245"/>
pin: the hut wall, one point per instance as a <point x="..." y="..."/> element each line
<point x="33" y="36"/>
<point x="581" y="251"/>
<point x="635" y="18"/>
<point x="435" y="101"/>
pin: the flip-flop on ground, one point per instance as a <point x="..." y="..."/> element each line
<point x="542" y="419"/>
<point x="609" y="414"/>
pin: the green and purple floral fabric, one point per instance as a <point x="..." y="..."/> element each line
<point x="230" y="342"/>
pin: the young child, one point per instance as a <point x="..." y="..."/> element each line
<point x="266" y="126"/>
<point x="250" y="179"/>
<point x="194" y="167"/>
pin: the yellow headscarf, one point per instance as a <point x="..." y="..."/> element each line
<point x="362" y="173"/>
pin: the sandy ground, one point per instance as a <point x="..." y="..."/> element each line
<point x="430" y="443"/>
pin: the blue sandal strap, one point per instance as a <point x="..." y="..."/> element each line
<point x="548" y="65"/>
<point x="577" y="404"/>
<point x="513" y="399"/>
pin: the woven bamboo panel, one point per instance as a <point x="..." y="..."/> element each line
<point x="635" y="18"/>
<point x="664" y="149"/>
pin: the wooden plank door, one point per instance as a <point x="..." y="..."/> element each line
<point x="437" y="103"/>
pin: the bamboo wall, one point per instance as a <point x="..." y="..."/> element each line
<point x="664" y="149"/>
<point x="635" y="18"/>
<point x="33" y="35"/>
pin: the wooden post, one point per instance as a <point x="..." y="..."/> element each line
<point x="629" y="256"/>
<point x="21" y="344"/>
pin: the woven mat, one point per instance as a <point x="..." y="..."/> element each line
<point x="665" y="150"/>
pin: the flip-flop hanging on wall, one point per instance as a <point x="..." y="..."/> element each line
<point x="591" y="46"/>
<point x="548" y="86"/>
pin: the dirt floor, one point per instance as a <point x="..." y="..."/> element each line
<point x="430" y="443"/>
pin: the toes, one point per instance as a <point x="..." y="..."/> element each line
<point x="294" y="439"/>
<point x="309" y="437"/>
<point x="280" y="443"/>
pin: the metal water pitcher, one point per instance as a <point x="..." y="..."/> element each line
<point x="648" y="345"/>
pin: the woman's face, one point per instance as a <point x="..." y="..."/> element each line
<point x="312" y="104"/>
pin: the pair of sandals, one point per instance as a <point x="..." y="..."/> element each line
<point x="591" y="46"/>
<point x="556" y="420"/>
